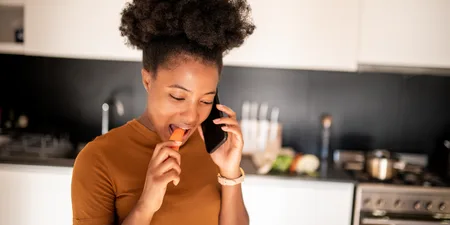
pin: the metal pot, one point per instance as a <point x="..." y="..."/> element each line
<point x="382" y="166"/>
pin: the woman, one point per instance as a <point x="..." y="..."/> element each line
<point x="131" y="175"/>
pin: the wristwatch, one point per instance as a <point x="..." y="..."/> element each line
<point x="230" y="182"/>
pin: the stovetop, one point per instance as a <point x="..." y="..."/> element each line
<point x="406" y="194"/>
<point x="424" y="179"/>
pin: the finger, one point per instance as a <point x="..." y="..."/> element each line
<point x="162" y="145"/>
<point x="165" y="153"/>
<point x="236" y="131"/>
<point x="226" y="110"/>
<point x="172" y="175"/>
<point x="168" y="165"/>
<point x="227" y="121"/>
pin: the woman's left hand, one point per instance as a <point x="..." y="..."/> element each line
<point x="228" y="156"/>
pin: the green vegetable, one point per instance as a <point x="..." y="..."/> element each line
<point x="282" y="163"/>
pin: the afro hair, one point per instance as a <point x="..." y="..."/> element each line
<point x="203" y="29"/>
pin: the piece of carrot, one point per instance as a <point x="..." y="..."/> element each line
<point x="177" y="135"/>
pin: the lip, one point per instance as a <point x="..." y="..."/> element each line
<point x="187" y="132"/>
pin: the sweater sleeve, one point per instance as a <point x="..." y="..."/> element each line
<point x="92" y="190"/>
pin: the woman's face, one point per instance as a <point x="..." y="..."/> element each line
<point x="181" y="96"/>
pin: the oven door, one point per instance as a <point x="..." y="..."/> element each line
<point x="401" y="219"/>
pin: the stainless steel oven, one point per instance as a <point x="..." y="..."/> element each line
<point x="389" y="204"/>
<point x="401" y="219"/>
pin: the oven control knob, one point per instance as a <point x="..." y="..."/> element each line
<point x="397" y="203"/>
<point x="429" y="206"/>
<point x="442" y="206"/>
<point x="380" y="202"/>
<point x="366" y="201"/>
<point x="417" y="205"/>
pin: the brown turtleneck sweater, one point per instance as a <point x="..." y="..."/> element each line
<point x="109" y="176"/>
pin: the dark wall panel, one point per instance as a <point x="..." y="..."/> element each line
<point x="402" y="113"/>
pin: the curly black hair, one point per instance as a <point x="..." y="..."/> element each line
<point x="203" y="29"/>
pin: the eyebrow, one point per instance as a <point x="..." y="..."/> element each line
<point x="185" y="89"/>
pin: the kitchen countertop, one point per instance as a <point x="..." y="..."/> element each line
<point x="65" y="162"/>
<point x="325" y="174"/>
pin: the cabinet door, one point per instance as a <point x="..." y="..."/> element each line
<point x="292" y="202"/>
<point x="76" y="28"/>
<point x="301" y="34"/>
<point x="37" y="195"/>
<point x="405" y="33"/>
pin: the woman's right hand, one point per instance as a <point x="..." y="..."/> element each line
<point x="164" y="167"/>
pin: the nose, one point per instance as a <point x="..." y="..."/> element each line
<point x="190" y="115"/>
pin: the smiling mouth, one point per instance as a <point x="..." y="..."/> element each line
<point x="172" y="127"/>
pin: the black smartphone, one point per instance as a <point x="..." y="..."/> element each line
<point x="212" y="133"/>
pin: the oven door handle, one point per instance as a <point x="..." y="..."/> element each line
<point x="372" y="221"/>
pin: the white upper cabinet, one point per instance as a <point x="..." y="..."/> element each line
<point x="301" y="34"/>
<point x="405" y="33"/>
<point x="76" y="29"/>
<point x="294" y="34"/>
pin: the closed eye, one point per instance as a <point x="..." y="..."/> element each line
<point x="178" y="99"/>
<point x="208" y="103"/>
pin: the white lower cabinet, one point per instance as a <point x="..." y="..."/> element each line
<point x="297" y="202"/>
<point x="40" y="195"/>
<point x="35" y="195"/>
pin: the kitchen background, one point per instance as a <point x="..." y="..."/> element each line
<point x="370" y="110"/>
<point x="66" y="59"/>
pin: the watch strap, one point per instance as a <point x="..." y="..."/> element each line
<point x="230" y="182"/>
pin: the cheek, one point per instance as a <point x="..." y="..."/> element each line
<point x="161" y="109"/>
<point x="204" y="112"/>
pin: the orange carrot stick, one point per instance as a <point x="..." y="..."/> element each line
<point x="177" y="135"/>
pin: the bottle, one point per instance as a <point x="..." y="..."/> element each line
<point x="18" y="31"/>
<point x="325" y="138"/>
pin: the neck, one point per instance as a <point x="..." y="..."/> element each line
<point x="145" y="120"/>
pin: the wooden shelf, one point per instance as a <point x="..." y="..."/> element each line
<point x="11" y="19"/>
<point x="11" y="48"/>
<point x="13" y="3"/>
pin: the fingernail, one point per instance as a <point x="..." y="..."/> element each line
<point x="216" y="120"/>
<point x="219" y="105"/>
<point x="178" y="142"/>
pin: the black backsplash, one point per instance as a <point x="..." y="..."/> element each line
<point x="369" y="110"/>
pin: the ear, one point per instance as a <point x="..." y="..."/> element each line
<point x="146" y="79"/>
